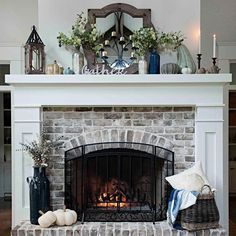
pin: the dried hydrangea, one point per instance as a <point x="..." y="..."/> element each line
<point x="40" y="149"/>
<point x="81" y="35"/>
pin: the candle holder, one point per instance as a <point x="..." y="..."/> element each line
<point x="214" y="69"/>
<point x="214" y="60"/>
<point x="199" y="55"/>
<point x="118" y="44"/>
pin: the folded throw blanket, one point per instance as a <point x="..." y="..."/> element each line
<point x="179" y="200"/>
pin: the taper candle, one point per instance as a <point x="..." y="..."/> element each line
<point x="214" y="45"/>
<point x="122" y="38"/>
<point x="199" y="43"/>
<point x="104" y="53"/>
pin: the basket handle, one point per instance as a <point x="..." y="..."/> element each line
<point x="208" y="186"/>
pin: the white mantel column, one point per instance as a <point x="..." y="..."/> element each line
<point x="211" y="150"/>
<point x="26" y="127"/>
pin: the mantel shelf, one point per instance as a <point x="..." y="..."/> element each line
<point x="119" y="79"/>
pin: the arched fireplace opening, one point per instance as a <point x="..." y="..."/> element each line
<point x="118" y="181"/>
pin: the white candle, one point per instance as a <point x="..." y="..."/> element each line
<point x="199" y="43"/>
<point x="107" y="42"/>
<point x="122" y="38"/>
<point x="104" y="53"/>
<point x="214" y="45"/>
<point x="130" y="37"/>
<point x="132" y="54"/>
<point x="113" y="33"/>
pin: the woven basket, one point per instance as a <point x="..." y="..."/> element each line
<point x="202" y="215"/>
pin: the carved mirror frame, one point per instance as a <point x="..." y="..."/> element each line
<point x="93" y="14"/>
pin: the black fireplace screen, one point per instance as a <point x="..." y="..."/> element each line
<point x="116" y="181"/>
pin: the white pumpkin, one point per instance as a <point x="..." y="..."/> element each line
<point x="73" y="213"/>
<point x="46" y="219"/>
<point x="65" y="217"/>
<point x="186" y="70"/>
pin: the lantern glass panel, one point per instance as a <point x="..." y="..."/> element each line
<point x="35" y="59"/>
<point x="27" y="60"/>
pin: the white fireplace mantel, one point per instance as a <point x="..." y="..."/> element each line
<point x="208" y="93"/>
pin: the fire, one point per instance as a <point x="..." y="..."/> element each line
<point x="112" y="204"/>
<point x="114" y="198"/>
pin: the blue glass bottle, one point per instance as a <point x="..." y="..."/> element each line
<point x="154" y="62"/>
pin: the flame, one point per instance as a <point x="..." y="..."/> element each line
<point x="113" y="202"/>
<point x="114" y="196"/>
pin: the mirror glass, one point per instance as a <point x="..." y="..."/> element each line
<point x="132" y="23"/>
<point x="117" y="22"/>
<point x="116" y="50"/>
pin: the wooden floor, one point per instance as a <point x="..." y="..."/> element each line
<point x="232" y="216"/>
<point x="5" y="217"/>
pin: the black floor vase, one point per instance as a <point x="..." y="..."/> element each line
<point x="39" y="194"/>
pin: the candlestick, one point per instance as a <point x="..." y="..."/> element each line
<point x="214" y="60"/>
<point x="199" y="60"/>
<point x="214" y="45"/>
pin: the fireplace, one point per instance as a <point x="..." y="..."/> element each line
<point x="118" y="181"/>
<point x="206" y="93"/>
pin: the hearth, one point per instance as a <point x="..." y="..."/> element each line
<point x="118" y="181"/>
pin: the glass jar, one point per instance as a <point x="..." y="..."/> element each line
<point x="77" y="62"/>
<point x="142" y="66"/>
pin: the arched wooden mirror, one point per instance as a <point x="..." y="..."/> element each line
<point x="117" y="22"/>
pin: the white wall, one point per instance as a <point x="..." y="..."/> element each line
<point x="16" y="20"/>
<point x="217" y="17"/>
<point x="167" y="15"/>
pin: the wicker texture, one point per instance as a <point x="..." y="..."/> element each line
<point x="202" y="215"/>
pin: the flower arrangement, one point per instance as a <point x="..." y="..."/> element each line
<point x="170" y="41"/>
<point x="80" y="35"/>
<point x="40" y="149"/>
<point x="147" y="38"/>
<point x="144" y="39"/>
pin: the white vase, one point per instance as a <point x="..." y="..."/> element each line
<point x="77" y="62"/>
<point x="142" y="66"/>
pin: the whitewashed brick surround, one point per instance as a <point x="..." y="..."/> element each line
<point x="168" y="127"/>
<point x="111" y="229"/>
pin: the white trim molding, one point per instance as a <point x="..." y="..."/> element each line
<point x="12" y="54"/>
<point x="227" y="54"/>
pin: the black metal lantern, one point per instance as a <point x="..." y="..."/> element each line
<point x="34" y="54"/>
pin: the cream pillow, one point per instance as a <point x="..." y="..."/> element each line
<point x="191" y="179"/>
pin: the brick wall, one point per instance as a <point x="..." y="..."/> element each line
<point x="172" y="127"/>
